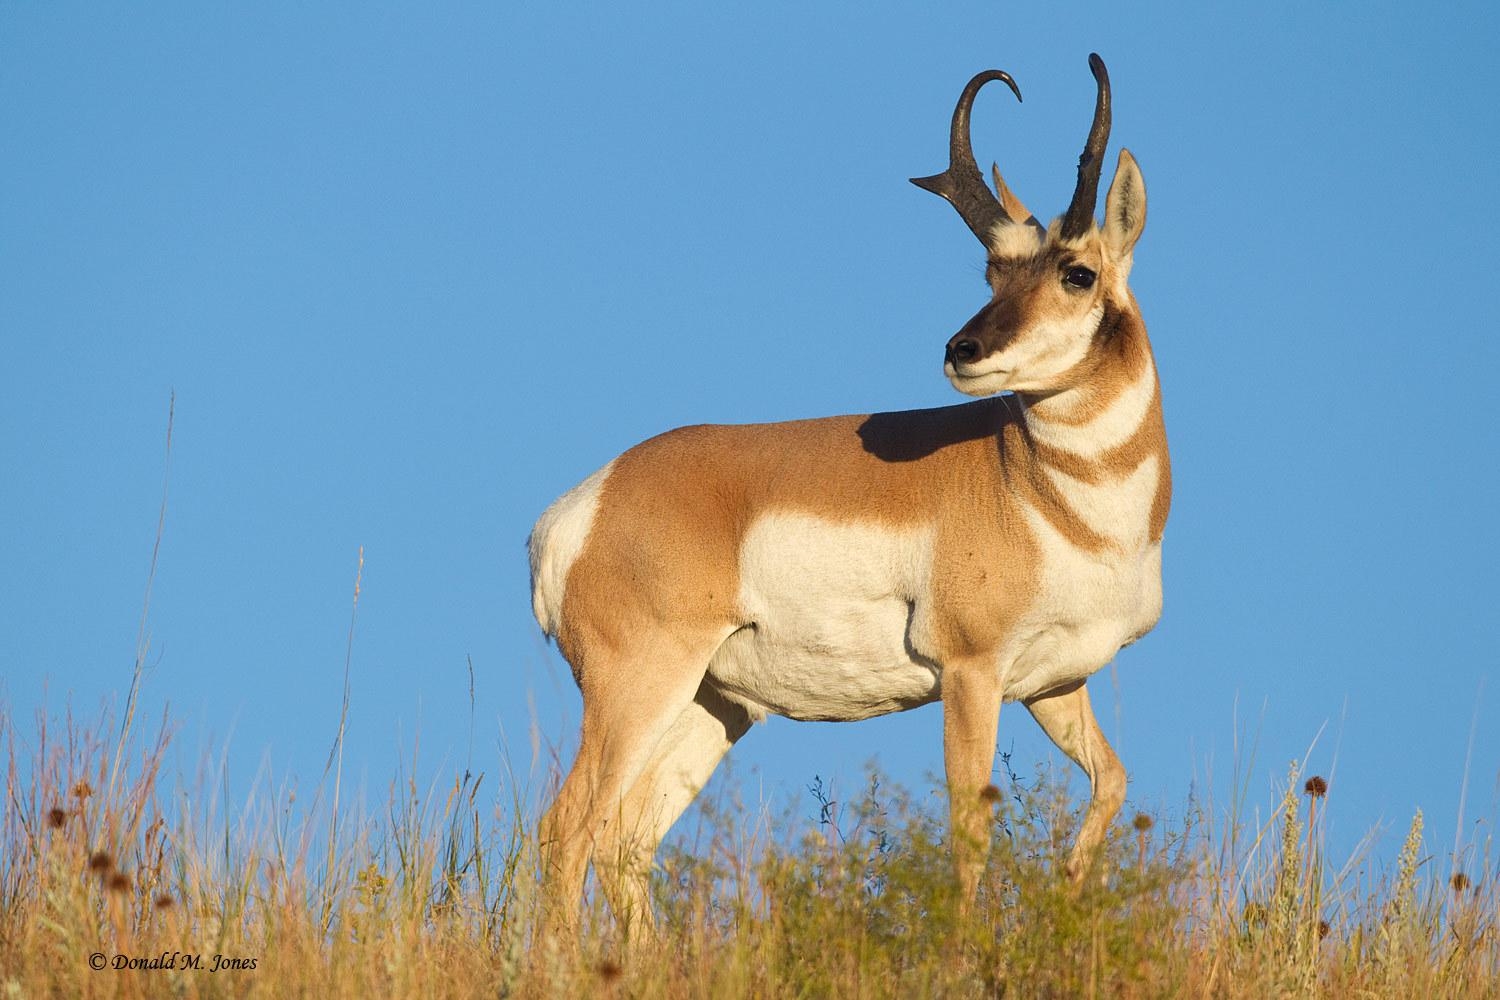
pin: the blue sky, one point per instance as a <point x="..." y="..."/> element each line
<point x="413" y="271"/>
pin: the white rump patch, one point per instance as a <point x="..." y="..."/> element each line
<point x="555" y="543"/>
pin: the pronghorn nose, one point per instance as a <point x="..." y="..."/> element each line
<point x="963" y="349"/>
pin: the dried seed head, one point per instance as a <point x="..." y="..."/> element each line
<point x="82" y="790"/>
<point x="1316" y="787"/>
<point x="101" y="863"/>
<point x="1323" y="929"/>
<point x="165" y="902"/>
<point x="119" y="882"/>
<point x="1256" y="914"/>
<point x="1142" y="822"/>
<point x="1460" y="883"/>
<point x="989" y="793"/>
<point x="610" y="971"/>
<point x="56" y="817"/>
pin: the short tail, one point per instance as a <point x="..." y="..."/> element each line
<point x="555" y="543"/>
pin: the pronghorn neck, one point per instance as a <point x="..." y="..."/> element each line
<point x="1107" y="408"/>
<point x="1098" y="467"/>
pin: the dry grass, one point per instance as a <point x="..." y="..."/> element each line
<point x="433" y="895"/>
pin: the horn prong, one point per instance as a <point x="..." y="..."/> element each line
<point x="1015" y="209"/>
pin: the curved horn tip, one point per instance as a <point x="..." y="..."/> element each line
<point x="1009" y="81"/>
<point x="984" y="76"/>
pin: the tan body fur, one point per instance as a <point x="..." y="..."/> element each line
<point x="841" y="568"/>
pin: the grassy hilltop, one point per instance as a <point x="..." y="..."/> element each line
<point x="106" y="860"/>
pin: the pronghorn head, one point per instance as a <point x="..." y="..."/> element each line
<point x="1052" y="287"/>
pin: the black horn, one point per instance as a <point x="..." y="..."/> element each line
<point x="962" y="184"/>
<point x="1080" y="216"/>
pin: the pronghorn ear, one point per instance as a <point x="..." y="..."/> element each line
<point x="1125" y="208"/>
<point x="1014" y="210"/>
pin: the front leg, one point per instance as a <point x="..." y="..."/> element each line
<point x="971" y="716"/>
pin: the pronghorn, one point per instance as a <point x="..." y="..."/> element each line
<point x="847" y="567"/>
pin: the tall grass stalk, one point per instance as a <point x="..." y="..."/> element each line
<point x="143" y="635"/>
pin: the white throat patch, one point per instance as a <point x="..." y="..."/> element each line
<point x="1113" y="427"/>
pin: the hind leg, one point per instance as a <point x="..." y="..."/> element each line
<point x="629" y="704"/>
<point x="1067" y="717"/>
<point x="682" y="764"/>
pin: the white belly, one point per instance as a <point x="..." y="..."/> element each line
<point x="831" y="608"/>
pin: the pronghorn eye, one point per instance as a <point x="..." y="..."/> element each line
<point x="1079" y="277"/>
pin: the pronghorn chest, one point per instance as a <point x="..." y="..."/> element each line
<point x="1098" y="585"/>
<point x="1085" y="611"/>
